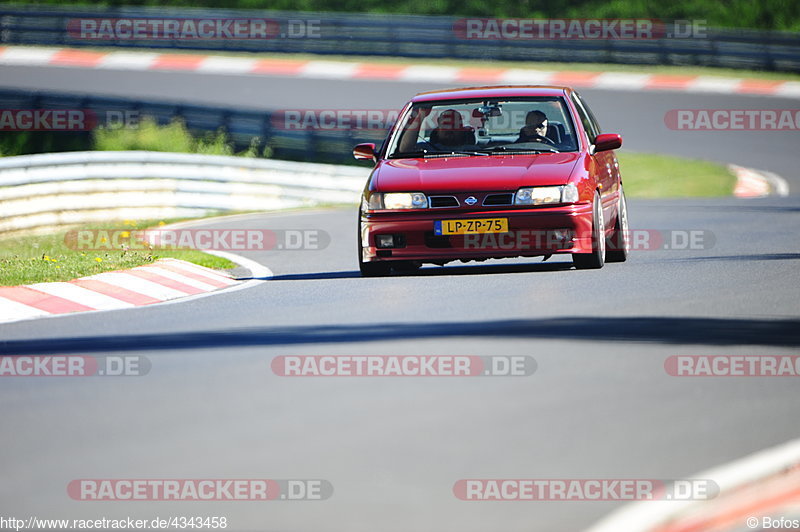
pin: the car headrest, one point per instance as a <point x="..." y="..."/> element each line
<point x="555" y="132"/>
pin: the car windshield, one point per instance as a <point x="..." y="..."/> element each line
<point x="479" y="127"/>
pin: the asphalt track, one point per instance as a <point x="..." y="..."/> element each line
<point x="639" y="116"/>
<point x="600" y="404"/>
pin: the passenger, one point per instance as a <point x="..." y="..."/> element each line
<point x="451" y="132"/>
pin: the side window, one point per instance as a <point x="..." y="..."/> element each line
<point x="588" y="120"/>
<point x="592" y="119"/>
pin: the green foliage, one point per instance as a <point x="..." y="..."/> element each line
<point x="763" y="14"/>
<point x="28" y="142"/>
<point x="148" y="135"/>
<point x="173" y="137"/>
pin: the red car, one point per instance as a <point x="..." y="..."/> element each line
<point x="492" y="172"/>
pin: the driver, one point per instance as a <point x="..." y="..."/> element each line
<point x="450" y="130"/>
<point x="535" y="128"/>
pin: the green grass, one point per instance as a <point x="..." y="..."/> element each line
<point x="662" y="176"/>
<point x="48" y="257"/>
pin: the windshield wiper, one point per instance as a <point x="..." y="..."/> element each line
<point x="425" y="153"/>
<point x="527" y="150"/>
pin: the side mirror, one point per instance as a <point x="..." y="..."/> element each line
<point x="607" y="141"/>
<point x="364" y="151"/>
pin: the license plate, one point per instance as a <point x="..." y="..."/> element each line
<point x="464" y="227"/>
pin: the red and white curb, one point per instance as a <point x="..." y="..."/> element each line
<point x="763" y="484"/>
<point x="229" y="65"/>
<point x="752" y="183"/>
<point x="163" y="281"/>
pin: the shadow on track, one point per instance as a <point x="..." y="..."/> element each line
<point x="664" y="330"/>
<point x="481" y="269"/>
<point x="738" y="258"/>
<point x="768" y="209"/>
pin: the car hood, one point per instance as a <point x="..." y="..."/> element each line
<point x="468" y="174"/>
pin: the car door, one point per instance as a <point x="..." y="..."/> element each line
<point x="606" y="164"/>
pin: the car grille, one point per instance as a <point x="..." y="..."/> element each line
<point x="443" y="201"/>
<point x="499" y="199"/>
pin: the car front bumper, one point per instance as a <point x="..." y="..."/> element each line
<point x="532" y="231"/>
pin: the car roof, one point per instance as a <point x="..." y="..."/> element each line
<point x="499" y="91"/>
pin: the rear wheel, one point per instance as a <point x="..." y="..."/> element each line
<point x="619" y="244"/>
<point x="595" y="259"/>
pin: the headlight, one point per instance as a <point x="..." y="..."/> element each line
<point x="371" y="203"/>
<point x="546" y="195"/>
<point x="569" y="194"/>
<point x="405" y="200"/>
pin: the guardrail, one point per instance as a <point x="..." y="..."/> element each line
<point x="410" y="36"/>
<point x="72" y="188"/>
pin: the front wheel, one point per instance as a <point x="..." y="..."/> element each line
<point x="406" y="266"/>
<point x="373" y="269"/>
<point x="619" y="244"/>
<point x="595" y="259"/>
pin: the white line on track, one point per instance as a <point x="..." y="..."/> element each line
<point x="78" y="294"/>
<point x="644" y="516"/>
<point x="329" y="70"/>
<point x="258" y="274"/>
<point x="227" y="65"/>
<point x="128" y="60"/>
<point x="137" y="284"/>
<point x="27" y="56"/>
<point x="523" y="75"/>
<point x="429" y="73"/>
<point x="175" y="276"/>
<point x="712" y="84"/>
<point x="11" y="310"/>
<point x="621" y="80"/>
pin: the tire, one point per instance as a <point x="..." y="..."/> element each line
<point x="369" y="269"/>
<point x="373" y="269"/>
<point x="406" y="265"/>
<point x="618" y="246"/>
<point x="595" y="259"/>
